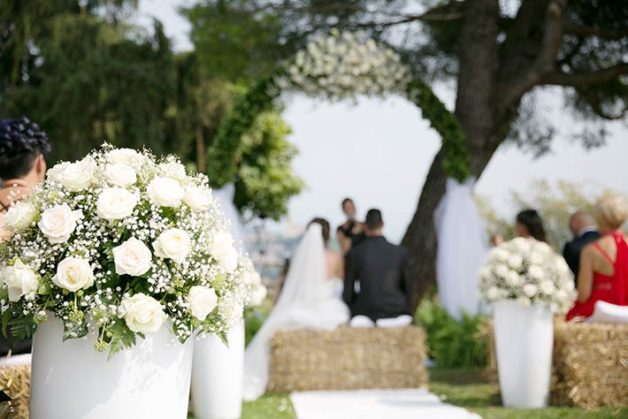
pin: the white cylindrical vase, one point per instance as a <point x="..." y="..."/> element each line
<point x="524" y="340"/>
<point x="218" y="375"/>
<point x="71" y="380"/>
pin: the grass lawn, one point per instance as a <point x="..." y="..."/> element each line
<point x="460" y="387"/>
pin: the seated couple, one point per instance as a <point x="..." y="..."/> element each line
<point x="375" y="292"/>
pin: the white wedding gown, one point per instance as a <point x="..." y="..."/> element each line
<point x="308" y="300"/>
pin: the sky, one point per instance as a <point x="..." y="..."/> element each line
<point x="378" y="151"/>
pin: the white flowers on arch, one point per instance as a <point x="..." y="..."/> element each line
<point x="345" y="65"/>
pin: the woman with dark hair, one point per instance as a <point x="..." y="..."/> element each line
<point x="530" y="224"/>
<point x="23" y="147"/>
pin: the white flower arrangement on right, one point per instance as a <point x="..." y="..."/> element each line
<point x="528" y="271"/>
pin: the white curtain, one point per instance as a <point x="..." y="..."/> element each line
<point x="225" y="198"/>
<point x="462" y="247"/>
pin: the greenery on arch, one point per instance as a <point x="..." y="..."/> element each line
<point x="337" y="66"/>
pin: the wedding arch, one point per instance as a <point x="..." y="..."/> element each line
<point x="338" y="66"/>
<point x="346" y="65"/>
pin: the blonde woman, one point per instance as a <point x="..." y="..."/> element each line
<point x="603" y="273"/>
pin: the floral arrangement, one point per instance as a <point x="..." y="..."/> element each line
<point x="528" y="271"/>
<point x="120" y="244"/>
<point x="345" y="65"/>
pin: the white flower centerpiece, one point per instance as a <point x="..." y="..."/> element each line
<point x="526" y="281"/>
<point x="120" y="248"/>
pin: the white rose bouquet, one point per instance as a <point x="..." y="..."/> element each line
<point x="119" y="244"/>
<point x="528" y="271"/>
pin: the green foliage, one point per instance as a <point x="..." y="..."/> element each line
<point x="456" y="158"/>
<point x="265" y="180"/>
<point x="452" y="343"/>
<point x="119" y="336"/>
<point x="253" y="321"/>
<point x="227" y="149"/>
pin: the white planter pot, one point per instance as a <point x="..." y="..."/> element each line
<point x="218" y="375"/>
<point x="71" y="380"/>
<point x="524" y="340"/>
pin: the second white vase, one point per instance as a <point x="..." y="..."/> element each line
<point x="524" y="341"/>
<point x="217" y="376"/>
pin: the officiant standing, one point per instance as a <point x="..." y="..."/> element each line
<point x="380" y="269"/>
<point x="351" y="232"/>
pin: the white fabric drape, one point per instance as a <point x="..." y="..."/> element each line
<point x="461" y="249"/>
<point x="225" y="198"/>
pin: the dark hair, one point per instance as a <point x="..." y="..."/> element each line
<point x="533" y="222"/>
<point x="325" y="227"/>
<point x="374" y="219"/>
<point x="21" y="141"/>
<point x="345" y="202"/>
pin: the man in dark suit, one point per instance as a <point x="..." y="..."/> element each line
<point x="584" y="232"/>
<point x="379" y="268"/>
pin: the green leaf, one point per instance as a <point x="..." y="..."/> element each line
<point x="121" y="337"/>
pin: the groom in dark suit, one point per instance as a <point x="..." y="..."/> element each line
<point x="582" y="226"/>
<point x="379" y="268"/>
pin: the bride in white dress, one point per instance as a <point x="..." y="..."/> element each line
<point x="310" y="298"/>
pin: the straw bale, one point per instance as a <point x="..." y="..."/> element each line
<point x="15" y="381"/>
<point x="591" y="364"/>
<point x="348" y="358"/>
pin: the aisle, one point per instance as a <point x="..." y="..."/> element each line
<point x="375" y="404"/>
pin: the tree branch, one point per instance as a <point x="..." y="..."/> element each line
<point x="581" y="30"/>
<point x="580" y="79"/>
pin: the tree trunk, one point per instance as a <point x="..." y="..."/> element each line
<point x="474" y="110"/>
<point x="201" y="151"/>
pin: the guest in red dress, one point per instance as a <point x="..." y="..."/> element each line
<point x="603" y="274"/>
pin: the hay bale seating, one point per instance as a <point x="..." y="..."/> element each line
<point x="348" y="358"/>
<point x="15" y="381"/>
<point x="590" y="364"/>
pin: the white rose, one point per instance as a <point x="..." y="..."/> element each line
<point x="523" y="301"/>
<point x="20" y="281"/>
<point x="530" y="290"/>
<point x="77" y="176"/>
<point x="536" y="258"/>
<point x="251" y="277"/>
<point x="74" y="274"/>
<point x="173" y="244"/>
<point x="258" y="294"/>
<point x="498" y="254"/>
<point x="543" y="248"/>
<point x="515" y="262"/>
<point x="54" y="173"/>
<point x="119" y="174"/>
<point x="132" y="257"/>
<point x="20" y="216"/>
<point x="143" y="314"/>
<point x="561" y="266"/>
<point x="513" y="279"/>
<point x="172" y="169"/>
<point x="197" y="198"/>
<point x="116" y="203"/>
<point x="126" y="156"/>
<point x="165" y="192"/>
<point x="58" y="223"/>
<point x="536" y="272"/>
<point x="223" y="251"/>
<point x="501" y="271"/>
<point x="493" y="294"/>
<point x="202" y="301"/>
<point x="486" y="273"/>
<point x="547" y="287"/>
